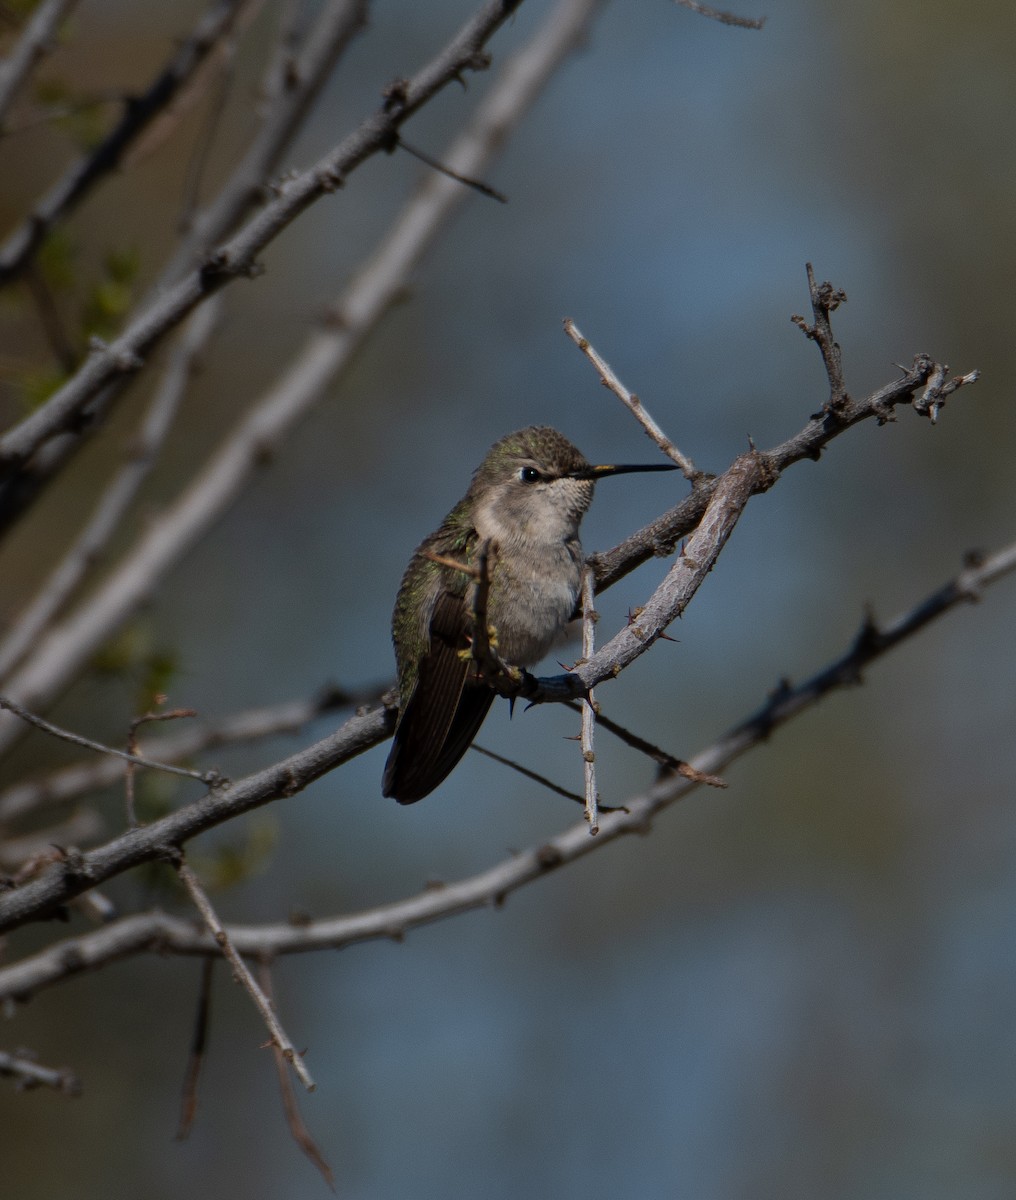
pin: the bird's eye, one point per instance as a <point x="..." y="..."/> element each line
<point x="529" y="475"/>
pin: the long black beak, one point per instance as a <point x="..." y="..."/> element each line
<point x="600" y="472"/>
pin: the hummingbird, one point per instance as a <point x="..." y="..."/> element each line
<point x="521" y="517"/>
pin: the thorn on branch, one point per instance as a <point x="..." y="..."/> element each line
<point x="869" y="636"/>
<point x="330" y="179"/>
<point x="395" y="96"/>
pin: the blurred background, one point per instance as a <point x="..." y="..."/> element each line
<point x="802" y="986"/>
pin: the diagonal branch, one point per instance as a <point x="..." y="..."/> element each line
<point x="37" y="38"/>
<point x="117" y="497"/>
<point x="20" y="247"/>
<point x="30" y="1074"/>
<point x="295" y="78"/>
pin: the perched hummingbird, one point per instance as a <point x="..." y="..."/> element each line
<point x="525" y="504"/>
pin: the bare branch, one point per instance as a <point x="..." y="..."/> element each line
<point x="725" y="18"/>
<point x="117" y="497"/>
<point x="29" y="1074"/>
<point x="288" y="777"/>
<point x="241" y="973"/>
<point x="196" y="1055"/>
<point x="157" y="931"/>
<point x="298" y="1131"/>
<point x="825" y="299"/>
<point x="660" y="537"/>
<point x="589" y="708"/>
<point x="294" y="83"/>
<point x="36" y="40"/>
<point x="632" y="403"/>
<point x="726" y="497"/>
<point x="292" y="86"/>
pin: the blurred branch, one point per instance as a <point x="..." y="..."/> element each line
<point x="29" y="1074"/>
<point x="196" y="1054"/>
<point x="293" y="82"/>
<point x="36" y="40"/>
<point x="23" y="856"/>
<point x="20" y="246"/>
<point x="237" y="258"/>
<point x="165" y="934"/>
<point x="116" y="499"/>
<point x="728" y="494"/>
<point x="61" y="654"/>
<point x="725" y="18"/>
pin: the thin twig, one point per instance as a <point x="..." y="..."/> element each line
<point x="133" y="749"/>
<point x="241" y="973"/>
<point x="476" y="184"/>
<point x="197" y="162"/>
<point x="36" y="40"/>
<point x="725" y="18"/>
<point x="535" y="776"/>
<point x="209" y="778"/>
<point x="589" y="618"/>
<point x="117" y="497"/>
<point x="632" y="403"/>
<point x="666" y="761"/>
<point x="29" y="1074"/>
<point x="196" y="1054"/>
<point x="52" y="323"/>
<point x="825" y="299"/>
<point x="80" y="778"/>
<point x="294" y="1120"/>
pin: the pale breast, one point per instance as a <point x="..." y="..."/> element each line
<point x="533" y="597"/>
